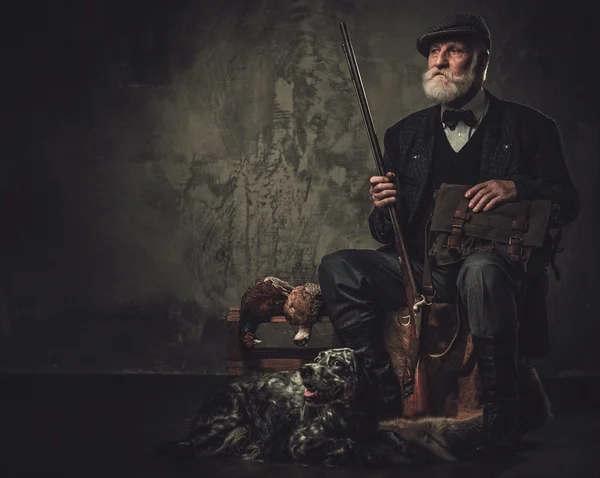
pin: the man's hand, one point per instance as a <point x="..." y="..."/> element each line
<point x="490" y="194"/>
<point x="383" y="190"/>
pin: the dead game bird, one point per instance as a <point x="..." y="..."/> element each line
<point x="260" y="302"/>
<point x="302" y="309"/>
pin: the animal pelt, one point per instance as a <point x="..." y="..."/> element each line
<point x="302" y="309"/>
<point x="323" y="413"/>
<point x="261" y="301"/>
<point x="448" y="439"/>
<point x="453" y="378"/>
<point x="452" y="438"/>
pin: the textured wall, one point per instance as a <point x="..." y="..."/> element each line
<point x="161" y="156"/>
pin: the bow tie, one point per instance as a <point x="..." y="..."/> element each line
<point x="451" y="118"/>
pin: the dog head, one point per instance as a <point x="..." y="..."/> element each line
<point x="336" y="376"/>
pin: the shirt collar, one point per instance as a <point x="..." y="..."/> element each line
<point x="479" y="105"/>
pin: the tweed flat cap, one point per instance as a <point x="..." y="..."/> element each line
<point x="455" y="25"/>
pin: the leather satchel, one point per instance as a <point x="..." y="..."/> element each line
<point x="516" y="226"/>
<point x="513" y="228"/>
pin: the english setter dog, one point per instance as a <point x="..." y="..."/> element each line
<point x="323" y="413"/>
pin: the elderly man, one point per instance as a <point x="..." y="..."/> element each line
<point x="507" y="152"/>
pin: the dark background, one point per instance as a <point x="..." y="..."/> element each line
<point x="158" y="157"/>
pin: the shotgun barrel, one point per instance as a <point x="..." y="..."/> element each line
<point x="414" y="298"/>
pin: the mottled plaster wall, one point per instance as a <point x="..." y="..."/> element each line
<point x="163" y="156"/>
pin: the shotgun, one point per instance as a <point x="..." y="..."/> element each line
<point x="416" y="300"/>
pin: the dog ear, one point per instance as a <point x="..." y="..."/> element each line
<point x="362" y="361"/>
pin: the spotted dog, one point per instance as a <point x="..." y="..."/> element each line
<point x="323" y="413"/>
<point x="316" y="414"/>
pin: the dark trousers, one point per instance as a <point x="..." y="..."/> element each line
<point x="359" y="286"/>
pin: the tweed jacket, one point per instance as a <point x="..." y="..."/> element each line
<point x="520" y="144"/>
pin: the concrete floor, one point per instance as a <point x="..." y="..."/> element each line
<point x="108" y="425"/>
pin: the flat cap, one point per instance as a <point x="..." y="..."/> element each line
<point x="456" y="25"/>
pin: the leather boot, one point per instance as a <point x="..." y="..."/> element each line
<point x="497" y="361"/>
<point x="389" y="393"/>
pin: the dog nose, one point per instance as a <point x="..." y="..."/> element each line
<point x="305" y="371"/>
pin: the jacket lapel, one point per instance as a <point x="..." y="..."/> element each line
<point x="428" y="143"/>
<point x="497" y="142"/>
<point x="422" y="154"/>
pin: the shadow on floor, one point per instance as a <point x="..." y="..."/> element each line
<point x="108" y="425"/>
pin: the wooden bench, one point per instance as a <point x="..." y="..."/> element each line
<point x="277" y="351"/>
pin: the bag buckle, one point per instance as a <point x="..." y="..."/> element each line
<point x="455" y="238"/>
<point x="515" y="247"/>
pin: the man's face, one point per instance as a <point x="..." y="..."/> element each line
<point x="451" y="71"/>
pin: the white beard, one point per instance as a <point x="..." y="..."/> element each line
<point x="444" y="86"/>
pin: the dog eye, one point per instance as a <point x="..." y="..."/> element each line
<point x="317" y="359"/>
<point x="337" y="363"/>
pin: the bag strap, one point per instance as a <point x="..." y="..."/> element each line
<point x="555" y="248"/>
<point x="428" y="290"/>
<point x="460" y="216"/>
<point x="519" y="226"/>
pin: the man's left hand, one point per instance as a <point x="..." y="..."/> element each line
<point x="490" y="194"/>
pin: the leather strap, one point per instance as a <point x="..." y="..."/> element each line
<point x="555" y="249"/>
<point x="428" y="290"/>
<point x="519" y="226"/>
<point x="460" y="216"/>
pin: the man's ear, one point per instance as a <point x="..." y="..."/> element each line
<point x="483" y="60"/>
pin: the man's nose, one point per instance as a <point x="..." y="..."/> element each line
<point x="442" y="60"/>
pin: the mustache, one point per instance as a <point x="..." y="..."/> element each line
<point x="430" y="74"/>
<point x="456" y="85"/>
